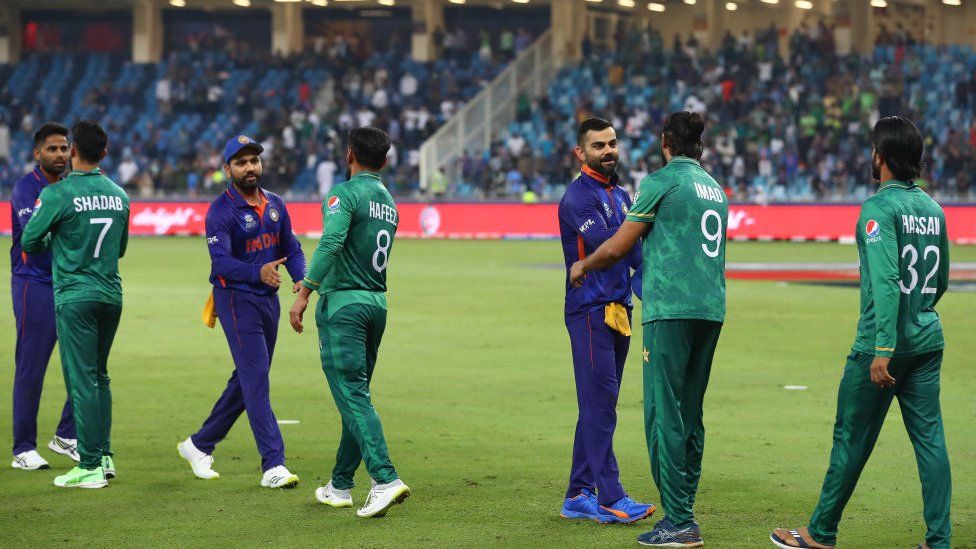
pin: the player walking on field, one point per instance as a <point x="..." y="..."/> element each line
<point x="348" y="270"/>
<point x="598" y="320"/>
<point x="681" y="212"/>
<point x="249" y="234"/>
<point x="33" y="298"/>
<point x="84" y="221"/>
<point x="903" y="251"/>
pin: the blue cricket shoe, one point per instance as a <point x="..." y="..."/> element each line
<point x="581" y="506"/>
<point x="624" y="511"/>
<point x="666" y="534"/>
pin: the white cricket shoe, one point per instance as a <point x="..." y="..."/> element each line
<point x="65" y="447"/>
<point x="279" y="477"/>
<point x="29" y="461"/>
<point x="332" y="496"/>
<point x="383" y="496"/>
<point x="202" y="464"/>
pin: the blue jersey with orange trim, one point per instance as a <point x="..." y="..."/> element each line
<point x="24" y="197"/>
<point x="242" y="238"/>
<point x="590" y="212"/>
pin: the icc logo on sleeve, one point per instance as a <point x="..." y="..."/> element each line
<point x="273" y="214"/>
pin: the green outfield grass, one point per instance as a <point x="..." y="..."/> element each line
<point x="475" y="389"/>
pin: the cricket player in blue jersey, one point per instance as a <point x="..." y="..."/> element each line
<point x="249" y="234"/>
<point x="598" y="318"/>
<point x="32" y="290"/>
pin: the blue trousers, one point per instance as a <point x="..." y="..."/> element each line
<point x="599" y="353"/>
<point x="36" y="336"/>
<point x="250" y="323"/>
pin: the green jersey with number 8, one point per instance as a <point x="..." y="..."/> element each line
<point x="84" y="220"/>
<point x="684" y="253"/>
<point x="359" y="222"/>
<point x="904" y="255"/>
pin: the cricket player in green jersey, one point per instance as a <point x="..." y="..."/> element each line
<point x="681" y="213"/>
<point x="904" y="255"/>
<point x="348" y="270"/>
<point x="84" y="221"/>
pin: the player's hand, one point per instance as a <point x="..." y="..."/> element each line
<point x="577" y="274"/>
<point x="297" y="312"/>
<point x="879" y="372"/>
<point x="297" y="287"/>
<point x="269" y="273"/>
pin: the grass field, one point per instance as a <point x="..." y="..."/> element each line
<point x="475" y="388"/>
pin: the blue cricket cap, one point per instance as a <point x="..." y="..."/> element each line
<point x="238" y="143"/>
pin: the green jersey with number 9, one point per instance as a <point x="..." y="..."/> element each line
<point x="84" y="220"/>
<point x="359" y="222"/>
<point x="904" y="255"/>
<point x="684" y="253"/>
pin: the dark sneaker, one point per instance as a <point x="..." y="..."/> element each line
<point x="666" y="534"/>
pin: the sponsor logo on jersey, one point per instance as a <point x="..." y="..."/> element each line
<point x="586" y="225"/>
<point x="872" y="228"/>
<point x="37" y="205"/>
<point x="333" y="204"/>
<point x="250" y="222"/>
<point x="273" y="214"/>
<point x="25" y="212"/>
<point x="606" y="208"/>
<point x="212" y="240"/>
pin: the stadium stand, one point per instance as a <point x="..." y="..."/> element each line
<point x="782" y="128"/>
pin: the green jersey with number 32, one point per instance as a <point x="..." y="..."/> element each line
<point x="904" y="255"/>
<point x="684" y="253"/>
<point x="84" y="220"/>
<point x="359" y="222"/>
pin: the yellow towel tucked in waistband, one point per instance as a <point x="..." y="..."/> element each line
<point x="615" y="315"/>
<point x="209" y="314"/>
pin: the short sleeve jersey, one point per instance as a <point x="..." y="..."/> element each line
<point x="903" y="250"/>
<point x="684" y="253"/>
<point x="84" y="220"/>
<point x="359" y="223"/>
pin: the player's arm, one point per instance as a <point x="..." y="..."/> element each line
<point x="291" y="249"/>
<point x="335" y="229"/>
<point x="224" y="263"/>
<point x="124" y="241"/>
<point x="45" y="215"/>
<point x="943" y="275"/>
<point x="580" y="210"/>
<point x="636" y="260"/>
<point x="881" y="254"/>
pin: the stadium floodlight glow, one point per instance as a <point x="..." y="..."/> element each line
<point x="457" y="1"/>
<point x="952" y="2"/>
<point x="626" y="3"/>
<point x="595" y="1"/>
<point x="178" y="3"/>
<point x="386" y="2"/>
<point x="804" y="4"/>
<point x="521" y="1"/>
<point x="771" y="1"/>
<point x="731" y="6"/>
<point x="879" y="3"/>
<point x="242" y="3"/>
<point x="319" y="3"/>
<point x="690" y="2"/>
<point x="656" y="6"/>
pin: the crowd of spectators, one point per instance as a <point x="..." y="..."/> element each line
<point x="167" y="122"/>
<point x="782" y="126"/>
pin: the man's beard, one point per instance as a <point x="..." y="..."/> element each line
<point x="598" y="167"/>
<point x="664" y="159"/>
<point x="875" y="171"/>
<point x="244" y="185"/>
<point x="52" y="169"/>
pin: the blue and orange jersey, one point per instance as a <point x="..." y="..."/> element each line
<point x="590" y="212"/>
<point x="24" y="197"/>
<point x="242" y="238"/>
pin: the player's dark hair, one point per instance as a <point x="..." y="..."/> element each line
<point x="899" y="143"/>
<point x="90" y="140"/>
<point x="594" y="124"/>
<point x="683" y="132"/>
<point x="370" y="146"/>
<point x="47" y="130"/>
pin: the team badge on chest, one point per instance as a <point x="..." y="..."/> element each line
<point x="273" y="214"/>
<point x="250" y="222"/>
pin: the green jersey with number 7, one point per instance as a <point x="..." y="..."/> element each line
<point x="359" y="222"/>
<point x="84" y="221"/>
<point x="684" y="253"/>
<point x="904" y="254"/>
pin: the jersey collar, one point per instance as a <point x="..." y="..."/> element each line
<point x="369" y="174"/>
<point x="896" y="184"/>
<point x="685" y="159"/>
<point x="94" y="171"/>
<point x="238" y="199"/>
<point x="600" y="179"/>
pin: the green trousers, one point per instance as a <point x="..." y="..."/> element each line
<point x="677" y="361"/>
<point x="861" y="410"/>
<point x="85" y="334"/>
<point x="348" y="343"/>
